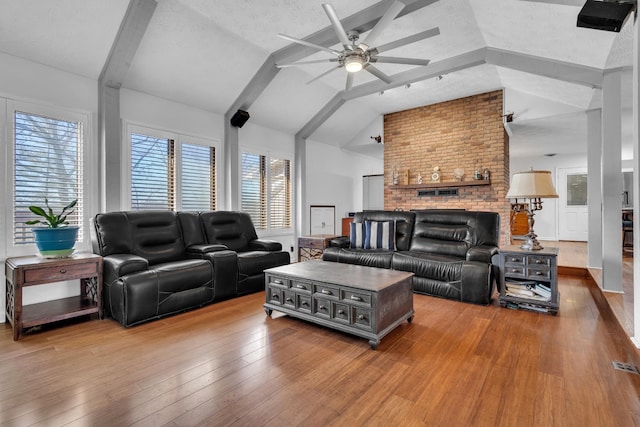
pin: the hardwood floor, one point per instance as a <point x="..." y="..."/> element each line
<point x="457" y="364"/>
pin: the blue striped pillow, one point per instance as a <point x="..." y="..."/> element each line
<point x="380" y="235"/>
<point x="357" y="235"/>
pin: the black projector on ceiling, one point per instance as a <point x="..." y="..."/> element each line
<point x="604" y="15"/>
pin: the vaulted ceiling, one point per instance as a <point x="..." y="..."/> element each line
<point x="203" y="54"/>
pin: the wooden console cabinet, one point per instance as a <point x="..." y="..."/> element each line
<point x="34" y="270"/>
<point x="312" y="247"/>
<point x="519" y="266"/>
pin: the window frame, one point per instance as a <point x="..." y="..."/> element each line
<point x="179" y="138"/>
<point x="269" y="154"/>
<point x="89" y="172"/>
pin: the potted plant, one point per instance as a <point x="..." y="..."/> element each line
<point x="56" y="239"/>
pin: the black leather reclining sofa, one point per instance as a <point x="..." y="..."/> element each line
<point x="450" y="252"/>
<point x="158" y="263"/>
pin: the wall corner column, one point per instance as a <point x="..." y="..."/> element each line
<point x="612" y="182"/>
<point x="594" y="178"/>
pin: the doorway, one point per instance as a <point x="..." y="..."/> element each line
<point x="573" y="211"/>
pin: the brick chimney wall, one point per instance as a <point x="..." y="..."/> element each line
<point x="466" y="133"/>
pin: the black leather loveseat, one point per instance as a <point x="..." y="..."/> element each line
<point x="449" y="251"/>
<point x="158" y="263"/>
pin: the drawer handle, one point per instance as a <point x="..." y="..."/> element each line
<point x="356" y="298"/>
<point x="304" y="303"/>
<point x="539" y="273"/>
<point x="289" y="300"/>
<point x="340" y="312"/>
<point x="539" y="261"/>
<point x="62" y="270"/>
<point x="326" y="292"/>
<point x="515" y="270"/>
<point x="514" y="259"/>
<point x="277" y="282"/>
<point x="301" y="287"/>
<point x="275" y="296"/>
<point x="323" y="308"/>
<point x="361" y="317"/>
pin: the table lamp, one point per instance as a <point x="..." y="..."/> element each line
<point x="531" y="185"/>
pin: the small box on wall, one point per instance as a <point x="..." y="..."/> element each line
<point x="403" y="179"/>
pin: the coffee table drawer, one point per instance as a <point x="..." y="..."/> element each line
<point x="301" y="286"/>
<point x="289" y="299"/>
<point x="303" y="303"/>
<point x="341" y="312"/>
<point x="327" y="291"/>
<point x="274" y="295"/>
<point x="357" y="297"/>
<point x="278" y="281"/>
<point x="362" y="318"/>
<point x="322" y="307"/>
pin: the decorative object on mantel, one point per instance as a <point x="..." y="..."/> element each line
<point x="419" y="178"/>
<point x="486" y="174"/>
<point x="435" y="176"/>
<point x="458" y="173"/>
<point x="532" y="185"/>
<point x="395" y="176"/>
<point x="404" y="177"/>
<point x="57" y="238"/>
<point x="477" y="175"/>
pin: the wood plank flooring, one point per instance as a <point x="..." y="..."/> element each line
<point x="457" y="364"/>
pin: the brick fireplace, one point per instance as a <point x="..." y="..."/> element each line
<point x="466" y="133"/>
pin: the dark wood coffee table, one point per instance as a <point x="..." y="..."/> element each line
<point x="364" y="301"/>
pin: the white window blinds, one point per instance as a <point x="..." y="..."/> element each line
<point x="48" y="156"/>
<point x="266" y="191"/>
<point x="198" y="166"/>
<point x="151" y="173"/>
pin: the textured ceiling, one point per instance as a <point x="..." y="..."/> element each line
<point x="204" y="53"/>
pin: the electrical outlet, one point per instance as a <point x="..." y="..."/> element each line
<point x="291" y="248"/>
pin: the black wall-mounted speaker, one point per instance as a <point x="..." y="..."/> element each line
<point x="239" y="118"/>
<point x="604" y="15"/>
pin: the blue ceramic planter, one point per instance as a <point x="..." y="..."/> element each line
<point x="56" y="242"/>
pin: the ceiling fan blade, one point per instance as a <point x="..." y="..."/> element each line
<point x="337" y="25"/>
<point x="393" y="60"/>
<point x="382" y="24"/>
<point x="306" y="43"/>
<point x="323" y="74"/>
<point x="379" y="74"/>
<point x="317" y="61"/>
<point x="410" y="39"/>
<point x="350" y="77"/>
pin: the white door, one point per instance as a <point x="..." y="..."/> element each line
<point x="573" y="213"/>
<point x="373" y="192"/>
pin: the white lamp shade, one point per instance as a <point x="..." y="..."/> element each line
<point x="531" y="184"/>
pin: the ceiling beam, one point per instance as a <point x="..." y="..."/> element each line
<point x="552" y="68"/>
<point x="132" y="29"/>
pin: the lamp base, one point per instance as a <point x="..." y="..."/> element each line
<point x="531" y="243"/>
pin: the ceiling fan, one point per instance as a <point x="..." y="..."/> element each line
<point x="361" y="55"/>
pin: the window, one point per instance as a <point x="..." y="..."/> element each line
<point x="266" y="191"/>
<point x="171" y="172"/>
<point x="48" y="163"/>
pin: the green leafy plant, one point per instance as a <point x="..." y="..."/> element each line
<point x="51" y="220"/>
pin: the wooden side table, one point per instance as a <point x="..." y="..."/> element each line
<point x="311" y="247"/>
<point x="34" y="270"/>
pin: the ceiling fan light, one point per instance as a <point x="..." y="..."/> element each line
<point x="353" y="64"/>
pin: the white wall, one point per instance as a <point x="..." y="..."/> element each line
<point x="546" y="225"/>
<point x="334" y="177"/>
<point x="27" y="81"/>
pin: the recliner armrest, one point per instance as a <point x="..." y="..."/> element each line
<point x="481" y="253"/>
<point x="340" y="242"/>
<point x="264" y="245"/>
<point x="205" y="248"/>
<point x="119" y="265"/>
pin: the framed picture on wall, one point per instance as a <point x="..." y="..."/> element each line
<point x="322" y="219"/>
